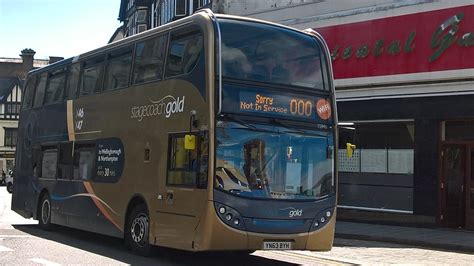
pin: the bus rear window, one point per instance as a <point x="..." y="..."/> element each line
<point x="270" y="54"/>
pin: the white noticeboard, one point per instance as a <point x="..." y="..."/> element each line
<point x="401" y="161"/>
<point x="347" y="164"/>
<point x="373" y="161"/>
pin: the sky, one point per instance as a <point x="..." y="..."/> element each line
<point x="63" y="28"/>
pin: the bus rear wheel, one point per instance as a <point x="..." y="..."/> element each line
<point x="137" y="231"/>
<point x="44" y="212"/>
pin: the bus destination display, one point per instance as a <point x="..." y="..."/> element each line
<point x="276" y="104"/>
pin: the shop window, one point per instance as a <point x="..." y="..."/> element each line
<point x="118" y="67"/>
<point x="182" y="163"/>
<point x="84" y="157"/>
<point x="379" y="175"/>
<point x="184" y="52"/>
<point x="381" y="147"/>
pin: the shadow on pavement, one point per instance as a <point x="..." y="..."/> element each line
<point x="113" y="248"/>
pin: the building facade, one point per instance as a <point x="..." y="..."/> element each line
<point x="12" y="75"/>
<point x="140" y="15"/>
<point x="404" y="79"/>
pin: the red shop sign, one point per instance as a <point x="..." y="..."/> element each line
<point x="422" y="42"/>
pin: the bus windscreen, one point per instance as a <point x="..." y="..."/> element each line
<point x="270" y="54"/>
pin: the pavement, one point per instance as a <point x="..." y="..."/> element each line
<point x="434" y="238"/>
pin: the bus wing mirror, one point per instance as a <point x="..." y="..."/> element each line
<point x="189" y="142"/>
<point x="350" y="149"/>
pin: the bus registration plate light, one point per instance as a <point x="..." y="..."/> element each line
<point x="277" y="245"/>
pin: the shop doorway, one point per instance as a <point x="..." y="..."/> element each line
<point x="457" y="186"/>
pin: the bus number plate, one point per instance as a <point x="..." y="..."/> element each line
<point x="276" y="245"/>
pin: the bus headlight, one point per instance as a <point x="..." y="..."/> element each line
<point x="321" y="219"/>
<point x="229" y="216"/>
<point x="222" y="210"/>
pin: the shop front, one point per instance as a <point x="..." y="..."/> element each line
<point x="405" y="90"/>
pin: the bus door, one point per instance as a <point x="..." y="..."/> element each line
<point x="183" y="194"/>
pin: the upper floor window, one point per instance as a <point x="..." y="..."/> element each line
<point x="184" y="52"/>
<point x="12" y="108"/>
<point x="180" y="8"/>
<point x="10" y="137"/>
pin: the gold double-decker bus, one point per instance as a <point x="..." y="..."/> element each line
<point x="212" y="132"/>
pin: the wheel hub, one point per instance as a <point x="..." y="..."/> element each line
<point x="139" y="228"/>
<point x="45" y="211"/>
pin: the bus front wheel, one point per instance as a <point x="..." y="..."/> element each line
<point x="44" y="212"/>
<point x="137" y="231"/>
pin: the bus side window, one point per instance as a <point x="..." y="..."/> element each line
<point x="84" y="155"/>
<point x="30" y="92"/>
<point x="182" y="163"/>
<point x="117" y="71"/>
<point x="40" y="90"/>
<point x="183" y="53"/>
<point x="49" y="160"/>
<point x="72" y="80"/>
<point x="55" y="87"/>
<point x="65" y="161"/>
<point x="91" y="76"/>
<point x="149" y="60"/>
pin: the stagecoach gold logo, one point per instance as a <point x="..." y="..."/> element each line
<point x="166" y="106"/>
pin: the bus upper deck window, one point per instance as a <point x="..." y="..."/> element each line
<point x="91" y="76"/>
<point x="149" y="60"/>
<point x="40" y="91"/>
<point x="55" y="87"/>
<point x="117" y="72"/>
<point x="183" y="54"/>
<point x="30" y="91"/>
<point x="72" y="80"/>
